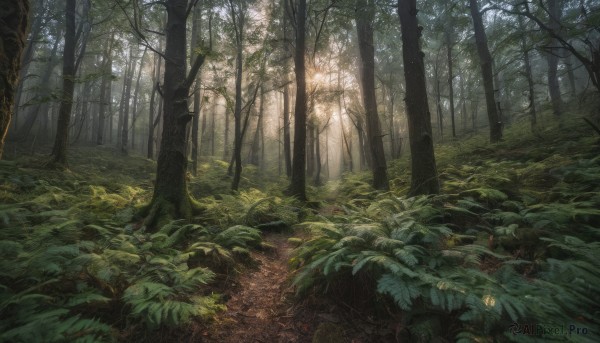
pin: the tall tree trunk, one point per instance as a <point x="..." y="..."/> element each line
<point x="39" y="21"/>
<point x="449" y="46"/>
<point x="298" y="180"/>
<point x="424" y="178"/>
<point x="438" y="101"/>
<point x="171" y="198"/>
<point x="213" y="127"/>
<point x="13" y="35"/>
<point x="126" y="103"/>
<point x="238" y="18"/>
<point x="106" y="83"/>
<point x="136" y="94"/>
<point x="571" y="74"/>
<point x="362" y="158"/>
<point x="346" y="146"/>
<point x="463" y="100"/>
<point x="310" y="149"/>
<point x="287" y="146"/>
<point x="33" y="111"/>
<point x="365" y="14"/>
<point x="81" y="110"/>
<point x="528" y="75"/>
<point x="153" y="122"/>
<point x="59" y="151"/>
<point x="255" y="148"/>
<point x="318" y="165"/>
<point x="122" y="105"/>
<point x="196" y="17"/>
<point x="486" y="71"/>
<point x="226" y="126"/>
<point x="555" y="12"/>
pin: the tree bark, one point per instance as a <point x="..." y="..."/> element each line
<point x="13" y="35"/>
<point x="555" y="12"/>
<point x="449" y="46"/>
<point x="486" y="71"/>
<point x="287" y="146"/>
<point x="318" y="165"/>
<point x="310" y="149"/>
<point x="365" y="14"/>
<point x="136" y="94"/>
<point x="255" y="156"/>
<point x="32" y="112"/>
<point x="106" y="83"/>
<point x="127" y="96"/>
<point x="59" y="151"/>
<point x="171" y="198"/>
<point x="438" y="101"/>
<point x="571" y="74"/>
<point x="298" y="181"/>
<point x="27" y="56"/>
<point x="424" y="178"/>
<point x="528" y="75"/>
<point x="152" y="121"/>
<point x="194" y="45"/>
<point x="238" y="18"/>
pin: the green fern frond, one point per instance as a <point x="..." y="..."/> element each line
<point x="402" y="291"/>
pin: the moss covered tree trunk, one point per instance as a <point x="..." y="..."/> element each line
<point x="424" y="178"/>
<point x="298" y="180"/>
<point x="171" y="198"/>
<point x="13" y="28"/>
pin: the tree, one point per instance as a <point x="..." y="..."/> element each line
<point x="13" y="36"/>
<point x="238" y="17"/>
<point x="105" y="88"/>
<point x="196" y="17"/>
<point x="555" y="12"/>
<point x="424" y="178"/>
<point x="365" y="14"/>
<point x="287" y="146"/>
<point x="586" y="50"/>
<point x="171" y="197"/>
<point x="528" y="74"/>
<point x="485" y="59"/>
<point x="58" y="157"/>
<point x="298" y="181"/>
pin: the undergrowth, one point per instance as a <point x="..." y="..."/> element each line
<point x="76" y="265"/>
<point x="512" y="241"/>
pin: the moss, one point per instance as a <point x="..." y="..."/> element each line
<point x="329" y="333"/>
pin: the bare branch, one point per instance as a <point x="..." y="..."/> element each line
<point x="139" y="33"/>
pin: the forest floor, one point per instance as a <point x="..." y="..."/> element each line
<point x="261" y="307"/>
<point x="72" y="263"/>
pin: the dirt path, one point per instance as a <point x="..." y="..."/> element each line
<point x="259" y="308"/>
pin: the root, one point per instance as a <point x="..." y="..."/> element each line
<point x="161" y="211"/>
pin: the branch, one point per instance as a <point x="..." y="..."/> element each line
<point x="155" y="32"/>
<point x="551" y="32"/>
<point x="190" y="6"/>
<point x="594" y="126"/>
<point x="194" y="71"/>
<point x="163" y="3"/>
<point x="159" y="90"/>
<point x="139" y="33"/>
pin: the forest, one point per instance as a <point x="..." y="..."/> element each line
<point x="299" y="171"/>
